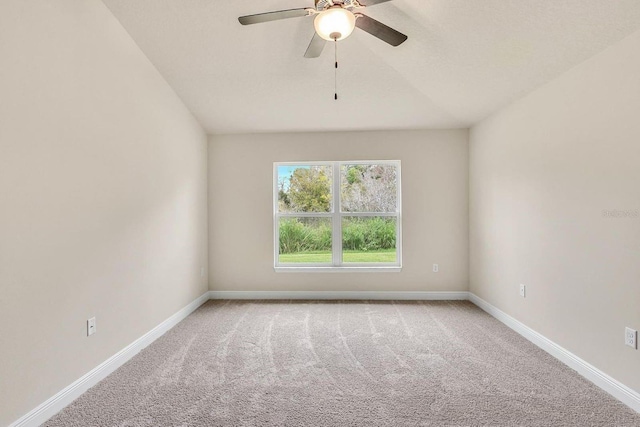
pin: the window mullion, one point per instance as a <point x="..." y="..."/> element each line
<point x="336" y="238"/>
<point x="304" y="215"/>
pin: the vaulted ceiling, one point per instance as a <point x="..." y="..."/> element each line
<point x="464" y="59"/>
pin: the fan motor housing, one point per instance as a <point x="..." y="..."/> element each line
<point x="323" y="4"/>
<point x="326" y="4"/>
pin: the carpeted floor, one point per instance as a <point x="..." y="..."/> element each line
<point x="285" y="363"/>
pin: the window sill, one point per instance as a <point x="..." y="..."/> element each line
<point x="330" y="269"/>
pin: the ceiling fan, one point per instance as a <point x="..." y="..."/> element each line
<point x="334" y="21"/>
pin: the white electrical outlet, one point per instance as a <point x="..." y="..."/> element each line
<point x="631" y="338"/>
<point x="523" y="291"/>
<point x="91" y="326"/>
<point x="435" y="268"/>
<point x="201" y="271"/>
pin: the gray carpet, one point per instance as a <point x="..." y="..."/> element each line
<point x="343" y="363"/>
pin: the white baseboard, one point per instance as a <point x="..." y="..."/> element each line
<point x="338" y="295"/>
<point x="614" y="387"/>
<point x="70" y="393"/>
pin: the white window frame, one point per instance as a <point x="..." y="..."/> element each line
<point x="336" y="216"/>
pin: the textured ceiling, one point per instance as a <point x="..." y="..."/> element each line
<point x="463" y="60"/>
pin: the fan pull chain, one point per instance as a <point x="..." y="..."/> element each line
<point x="335" y="76"/>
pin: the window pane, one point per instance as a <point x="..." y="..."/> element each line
<point x="368" y="239"/>
<point x="369" y="188"/>
<point x="304" y="188"/>
<point x="305" y="240"/>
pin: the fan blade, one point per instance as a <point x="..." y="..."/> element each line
<point x="367" y="3"/>
<point x="379" y="30"/>
<point x="315" y="47"/>
<point x="274" y="16"/>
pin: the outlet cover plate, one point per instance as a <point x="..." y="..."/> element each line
<point x="523" y="291"/>
<point x="91" y="326"/>
<point x="631" y="338"/>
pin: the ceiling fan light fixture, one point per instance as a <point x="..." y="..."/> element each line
<point x="335" y="23"/>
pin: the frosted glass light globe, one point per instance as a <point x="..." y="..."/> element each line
<point x="335" y="23"/>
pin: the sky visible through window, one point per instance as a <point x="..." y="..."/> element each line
<point x="285" y="172"/>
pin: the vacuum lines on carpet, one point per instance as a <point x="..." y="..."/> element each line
<point x="343" y="363"/>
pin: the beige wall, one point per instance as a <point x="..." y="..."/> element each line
<point x="542" y="172"/>
<point x="102" y="196"/>
<point x="434" y="197"/>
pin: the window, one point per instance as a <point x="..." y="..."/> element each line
<point x="333" y="216"/>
